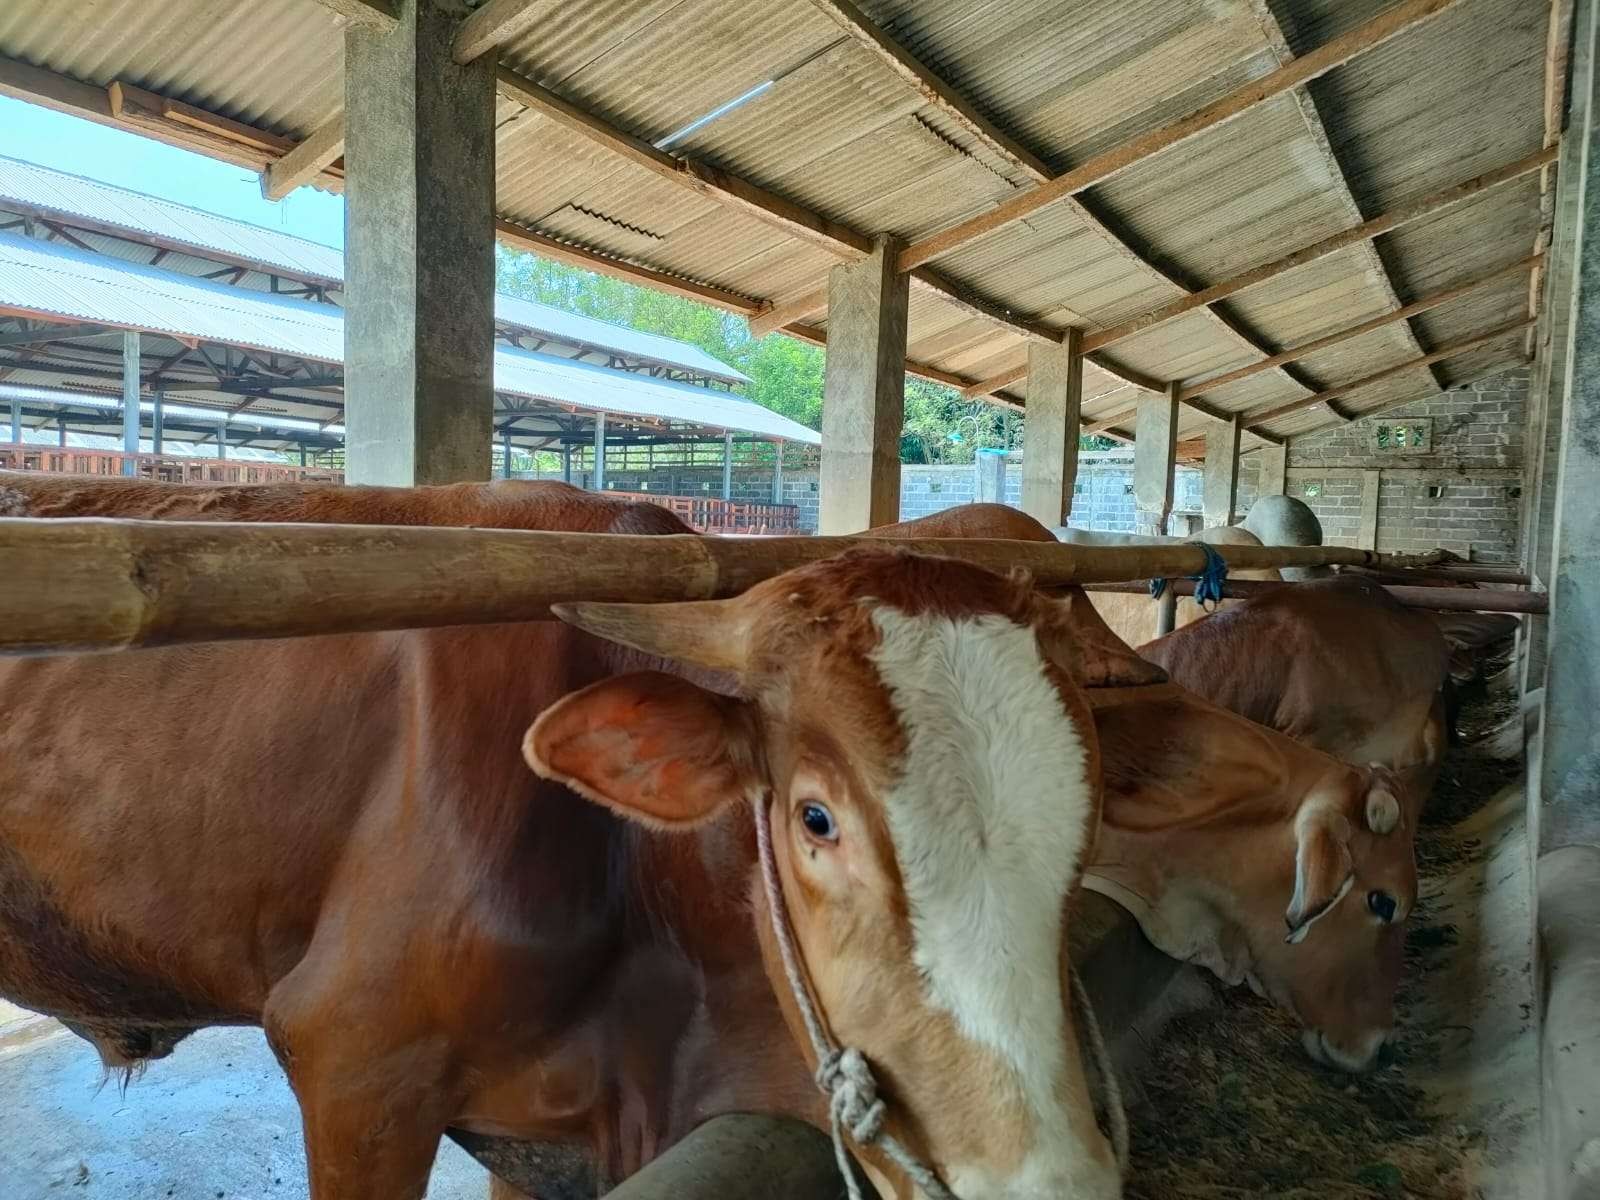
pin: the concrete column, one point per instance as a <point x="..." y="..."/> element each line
<point x="777" y="472"/>
<point x="1371" y="484"/>
<point x="158" y="423"/>
<point x="566" y="463"/>
<point x="222" y="440"/>
<point x="1050" y="435"/>
<point x="61" y="430"/>
<point x="1220" y="481"/>
<point x="130" y="399"/>
<point x="599" y="452"/>
<point x="302" y="454"/>
<point x="863" y="398"/>
<point x="727" y="464"/>
<point x="1155" y="448"/>
<point x="16" y="421"/>
<point x="989" y="471"/>
<point x="505" y="449"/>
<point x="419" y="251"/>
<point x="1274" y="470"/>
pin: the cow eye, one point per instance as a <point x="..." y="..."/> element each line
<point x="1383" y="905"/>
<point x="819" y="823"/>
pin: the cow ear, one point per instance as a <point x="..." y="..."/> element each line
<point x="649" y="746"/>
<point x="1323" y="868"/>
<point x="1090" y="652"/>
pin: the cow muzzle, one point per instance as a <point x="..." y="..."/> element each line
<point x="1356" y="1055"/>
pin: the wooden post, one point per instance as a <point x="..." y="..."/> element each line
<point x="1155" y="448"/>
<point x="419" y="233"/>
<point x="1220" y="483"/>
<point x="1274" y="470"/>
<point x="61" y="429"/>
<point x="863" y="403"/>
<point x="302" y="454"/>
<point x="158" y="423"/>
<point x="777" y="471"/>
<point x="130" y="399"/>
<point x="566" y="463"/>
<point x="1371" y="483"/>
<point x="727" y="464"/>
<point x="505" y="449"/>
<point x="1050" y="436"/>
<point x="16" y="421"/>
<point x="600" y="452"/>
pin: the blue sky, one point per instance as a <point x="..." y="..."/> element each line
<point x="53" y="139"/>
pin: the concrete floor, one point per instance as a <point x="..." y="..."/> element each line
<point x="215" y="1121"/>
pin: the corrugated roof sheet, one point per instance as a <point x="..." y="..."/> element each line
<point x="61" y="281"/>
<point x="31" y="186"/>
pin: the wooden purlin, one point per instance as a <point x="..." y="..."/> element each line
<point x="381" y="15"/>
<point x="306" y="161"/>
<point x="1499" y="366"/>
<point x="1433" y="356"/>
<point x="1101" y="167"/>
<point x="953" y="104"/>
<point x="1344" y="195"/>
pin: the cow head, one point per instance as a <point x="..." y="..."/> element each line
<point x="918" y="728"/>
<point x="1261" y="859"/>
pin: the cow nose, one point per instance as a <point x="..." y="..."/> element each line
<point x="1357" y="1056"/>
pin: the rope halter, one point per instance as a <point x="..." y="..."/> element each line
<point x="843" y="1073"/>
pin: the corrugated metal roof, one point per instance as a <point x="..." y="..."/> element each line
<point x="61" y="281"/>
<point x="74" y="196"/>
<point x="142" y="216"/>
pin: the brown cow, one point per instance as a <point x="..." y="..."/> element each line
<point x="433" y="937"/>
<point x="1338" y="664"/>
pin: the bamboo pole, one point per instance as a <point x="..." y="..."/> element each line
<point x="91" y="584"/>
<point x="1446" y="599"/>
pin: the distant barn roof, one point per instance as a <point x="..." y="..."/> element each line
<point x="64" y="283"/>
<point x="121" y="212"/>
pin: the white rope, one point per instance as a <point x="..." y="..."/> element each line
<point x="844" y="1075"/>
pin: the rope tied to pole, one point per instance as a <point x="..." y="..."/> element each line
<point x="1207" y="584"/>
<point x="844" y="1075"/>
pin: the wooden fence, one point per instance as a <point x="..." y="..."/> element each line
<point x="70" y="460"/>
<point x="715" y="515"/>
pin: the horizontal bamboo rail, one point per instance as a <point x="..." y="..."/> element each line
<point x="1444" y="599"/>
<point x="90" y="584"/>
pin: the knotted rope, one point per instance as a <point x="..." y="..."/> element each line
<point x="846" y="1078"/>
<point x="1207" y="584"/>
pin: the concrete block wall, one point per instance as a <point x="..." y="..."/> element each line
<point x="1461" y="494"/>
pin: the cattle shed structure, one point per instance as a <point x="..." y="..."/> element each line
<point x="1236" y="222"/>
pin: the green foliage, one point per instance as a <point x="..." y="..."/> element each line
<point x="785" y="374"/>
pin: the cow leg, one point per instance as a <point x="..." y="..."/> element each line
<point x="374" y="1099"/>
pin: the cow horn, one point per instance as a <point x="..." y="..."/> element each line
<point x="1383" y="810"/>
<point x="705" y="633"/>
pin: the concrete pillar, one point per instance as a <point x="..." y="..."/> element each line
<point x="302" y="454"/>
<point x="130" y="399"/>
<point x="989" y="472"/>
<point x="1220" y="480"/>
<point x="1371" y="484"/>
<point x="419" y="251"/>
<point x="1050" y="435"/>
<point x="566" y="463"/>
<point x="777" y="472"/>
<point x="1274" y="470"/>
<point x="727" y="464"/>
<point x="61" y="429"/>
<point x="158" y="423"/>
<point x="599" y="452"/>
<point x="863" y="397"/>
<point x="222" y="440"/>
<point x="505" y="449"/>
<point x="1155" y="448"/>
<point x="16" y="421"/>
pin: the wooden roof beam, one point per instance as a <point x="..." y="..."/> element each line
<point x="1415" y="308"/>
<point x="1343" y="194"/>
<point x="1253" y="419"/>
<point x="492" y="25"/>
<point x="1101" y="167"/>
<point x="1514" y="361"/>
<point x="306" y="161"/>
<point x="1425" y="206"/>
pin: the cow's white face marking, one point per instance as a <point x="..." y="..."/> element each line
<point x="989" y="821"/>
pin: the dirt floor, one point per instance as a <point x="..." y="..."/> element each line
<point x="1233" y="1107"/>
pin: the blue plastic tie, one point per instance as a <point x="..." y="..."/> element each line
<point x="1207" y="584"/>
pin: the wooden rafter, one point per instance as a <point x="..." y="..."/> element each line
<point x="494" y="24"/>
<point x="1343" y="195"/>
<point x="1415" y="308"/>
<point x="1101" y="167"/>
<point x="306" y="161"/>
<point x="381" y="15"/>
<point x="957" y="107"/>
<point x="1461" y="346"/>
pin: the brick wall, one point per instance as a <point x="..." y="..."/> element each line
<point x="1461" y="494"/>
